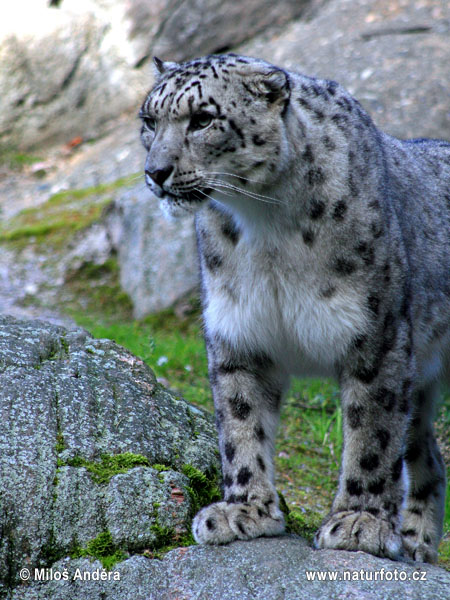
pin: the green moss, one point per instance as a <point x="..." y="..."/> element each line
<point x="102" y="188"/>
<point x="304" y="525"/>
<point x="101" y="548"/>
<point x="161" y="468"/>
<point x="64" y="213"/>
<point x="15" y="160"/>
<point x="60" y="444"/>
<point x="203" y="488"/>
<point x="159" y="551"/>
<point x="164" y="536"/>
<point x="167" y="539"/>
<point x="52" y="227"/>
<point x="108" y="466"/>
<point x="65" y="345"/>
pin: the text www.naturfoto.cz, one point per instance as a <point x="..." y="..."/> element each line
<point x="364" y="575"/>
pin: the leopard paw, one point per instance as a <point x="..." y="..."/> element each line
<point x="349" y="530"/>
<point x="224" y="522"/>
<point x="419" y="547"/>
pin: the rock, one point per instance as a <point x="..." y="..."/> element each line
<point x="37" y="265"/>
<point x="262" y="569"/>
<point x="157" y="257"/>
<point x="91" y="445"/>
<point x="392" y="55"/>
<point x="79" y="68"/>
<point x="206" y="26"/>
<point x="61" y="79"/>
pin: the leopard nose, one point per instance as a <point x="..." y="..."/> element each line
<point x="159" y="176"/>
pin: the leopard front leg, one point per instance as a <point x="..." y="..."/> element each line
<point x="376" y="394"/>
<point x="247" y="396"/>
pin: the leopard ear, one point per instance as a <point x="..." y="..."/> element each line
<point x="160" y="66"/>
<point x="266" y="80"/>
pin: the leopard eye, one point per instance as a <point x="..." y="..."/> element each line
<point x="149" y="122"/>
<point x="201" y="120"/>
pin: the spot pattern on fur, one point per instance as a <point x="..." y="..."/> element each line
<point x="321" y="242"/>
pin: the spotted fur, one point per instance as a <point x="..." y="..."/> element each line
<point x="324" y="249"/>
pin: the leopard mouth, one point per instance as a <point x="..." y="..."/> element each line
<point x="197" y="195"/>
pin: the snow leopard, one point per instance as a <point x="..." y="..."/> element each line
<point x="324" y="250"/>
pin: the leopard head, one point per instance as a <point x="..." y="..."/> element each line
<point x="212" y="127"/>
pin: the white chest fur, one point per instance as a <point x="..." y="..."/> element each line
<point x="274" y="303"/>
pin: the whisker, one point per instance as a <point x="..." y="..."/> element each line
<point x="135" y="177"/>
<point x="204" y="193"/>
<point x="222" y="184"/>
<point x="212" y="186"/>
<point x="217" y="184"/>
<point x="205" y="174"/>
<point x="243" y="193"/>
<point x="231" y="175"/>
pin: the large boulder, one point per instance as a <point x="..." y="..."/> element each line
<point x="61" y="74"/>
<point x="393" y="56"/>
<point x="263" y="569"/>
<point x="197" y="27"/>
<point x="93" y="451"/>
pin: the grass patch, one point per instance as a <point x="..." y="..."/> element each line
<point x="444" y="552"/>
<point x="308" y="450"/>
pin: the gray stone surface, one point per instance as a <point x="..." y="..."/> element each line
<point x="67" y="397"/>
<point x="66" y="70"/>
<point x="205" y="26"/>
<point x="77" y="508"/>
<point x="61" y="73"/>
<point x="157" y="257"/>
<point x="138" y="500"/>
<point x="263" y="569"/>
<point x="392" y="55"/>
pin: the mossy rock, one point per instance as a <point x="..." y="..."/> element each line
<point x="97" y="459"/>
